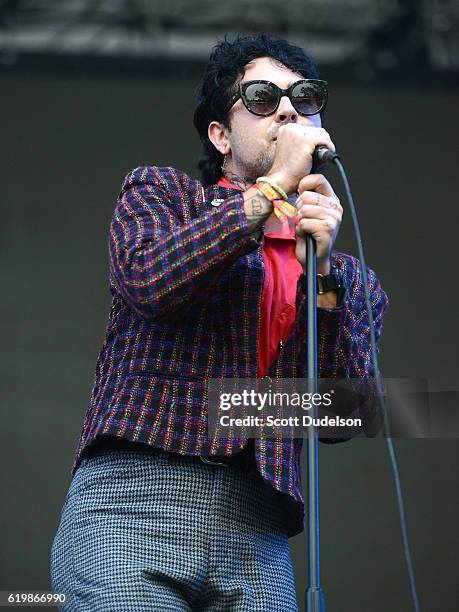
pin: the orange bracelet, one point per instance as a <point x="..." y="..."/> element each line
<point x="282" y="208"/>
<point x="266" y="179"/>
<point x="269" y="192"/>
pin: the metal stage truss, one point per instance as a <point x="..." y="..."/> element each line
<point x="368" y="34"/>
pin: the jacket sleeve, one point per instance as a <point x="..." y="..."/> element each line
<point x="160" y="257"/>
<point x="344" y="349"/>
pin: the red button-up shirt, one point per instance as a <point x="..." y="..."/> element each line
<point x="282" y="270"/>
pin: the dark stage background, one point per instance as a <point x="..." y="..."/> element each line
<point x="67" y="142"/>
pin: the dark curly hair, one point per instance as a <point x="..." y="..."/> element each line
<point x="218" y="84"/>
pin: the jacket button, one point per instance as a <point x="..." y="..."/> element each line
<point x="264" y="384"/>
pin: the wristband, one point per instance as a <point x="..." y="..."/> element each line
<point x="282" y="208"/>
<point x="280" y="191"/>
<point x="268" y="191"/>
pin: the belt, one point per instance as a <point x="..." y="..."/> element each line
<point x="244" y="459"/>
<point x="106" y="443"/>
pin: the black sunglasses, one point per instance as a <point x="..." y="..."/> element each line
<point x="308" y="96"/>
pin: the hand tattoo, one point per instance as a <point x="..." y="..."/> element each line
<point x="257" y="208"/>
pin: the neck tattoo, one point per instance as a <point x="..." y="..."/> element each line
<point x="243" y="183"/>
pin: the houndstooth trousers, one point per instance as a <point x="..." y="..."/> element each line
<point x="168" y="533"/>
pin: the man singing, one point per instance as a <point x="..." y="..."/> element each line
<point x="206" y="280"/>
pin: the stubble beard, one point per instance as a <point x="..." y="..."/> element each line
<point x="259" y="166"/>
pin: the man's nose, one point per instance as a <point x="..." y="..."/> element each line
<point x="286" y="112"/>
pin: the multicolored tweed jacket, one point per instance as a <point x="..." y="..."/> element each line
<point x="186" y="278"/>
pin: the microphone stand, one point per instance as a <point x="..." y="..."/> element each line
<point x="315" y="601"/>
<point x="314" y="595"/>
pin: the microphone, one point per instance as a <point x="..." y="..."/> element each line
<point x="324" y="154"/>
<point x="320" y="157"/>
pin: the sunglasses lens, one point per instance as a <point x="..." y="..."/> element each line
<point x="309" y="98"/>
<point x="261" y="98"/>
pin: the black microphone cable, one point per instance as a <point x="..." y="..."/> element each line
<point x="325" y="155"/>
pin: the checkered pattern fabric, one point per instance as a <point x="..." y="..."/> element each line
<point x="186" y="279"/>
<point x="167" y="533"/>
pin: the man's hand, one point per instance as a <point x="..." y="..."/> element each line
<point x="294" y="150"/>
<point x="292" y="161"/>
<point x="319" y="215"/>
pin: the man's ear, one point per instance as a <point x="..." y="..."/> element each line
<point x="218" y="136"/>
